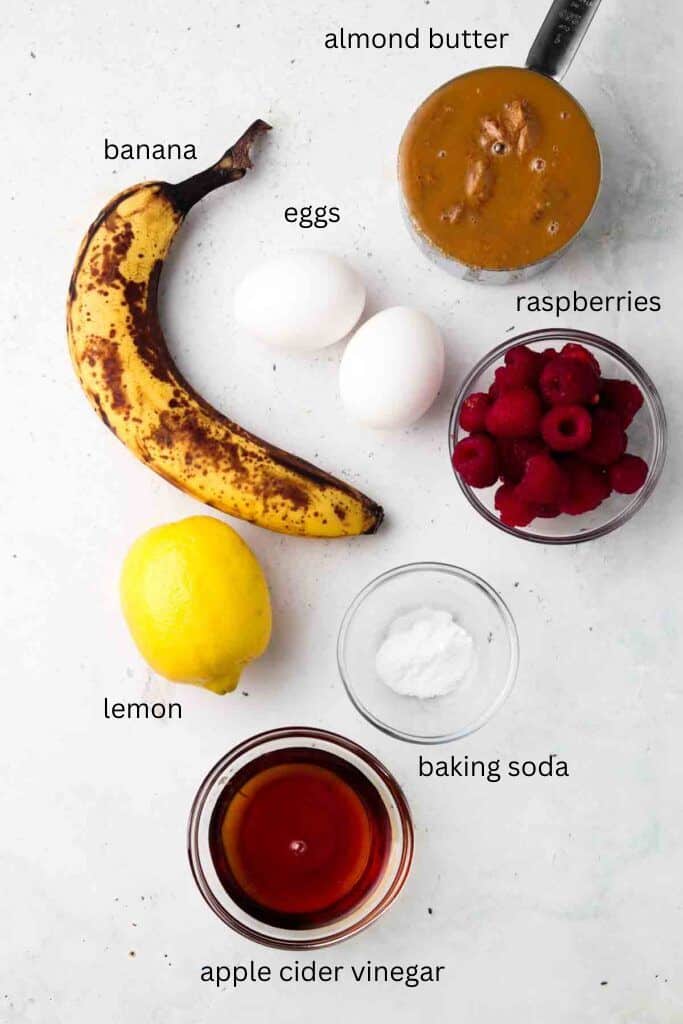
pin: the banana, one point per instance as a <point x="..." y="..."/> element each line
<point x="124" y="366"/>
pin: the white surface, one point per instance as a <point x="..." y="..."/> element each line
<point x="539" y="889"/>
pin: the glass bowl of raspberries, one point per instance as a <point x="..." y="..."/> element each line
<point x="557" y="436"/>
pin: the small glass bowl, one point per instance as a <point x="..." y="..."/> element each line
<point x="475" y="606"/>
<point x="647" y="437"/>
<point x="359" y="917"/>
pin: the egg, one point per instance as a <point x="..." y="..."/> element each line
<point x="392" y="368"/>
<point x="301" y="300"/>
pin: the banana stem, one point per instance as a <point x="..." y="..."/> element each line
<point x="232" y="166"/>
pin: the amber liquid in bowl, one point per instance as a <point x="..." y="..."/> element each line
<point x="499" y="168"/>
<point x="299" y="837"/>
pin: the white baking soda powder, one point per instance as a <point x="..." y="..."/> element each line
<point x="424" y="654"/>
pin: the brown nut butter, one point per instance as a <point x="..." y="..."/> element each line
<point x="499" y="168"/>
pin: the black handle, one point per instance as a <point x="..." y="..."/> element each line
<point x="560" y="36"/>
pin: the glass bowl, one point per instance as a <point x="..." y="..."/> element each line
<point x="360" y="916"/>
<point x="475" y="606"/>
<point x="647" y="437"/>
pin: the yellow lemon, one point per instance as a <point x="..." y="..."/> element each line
<point x="196" y="602"/>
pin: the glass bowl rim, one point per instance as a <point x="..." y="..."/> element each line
<point x="617" y="353"/>
<point x="304" y="733"/>
<point x="470" y="578"/>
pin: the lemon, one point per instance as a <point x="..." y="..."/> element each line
<point x="196" y="602"/>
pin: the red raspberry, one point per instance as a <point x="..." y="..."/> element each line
<point x="628" y="474"/>
<point x="622" y="397"/>
<point x="475" y="458"/>
<point x="493" y="392"/>
<point x="574" y="351"/>
<point x="588" y="487"/>
<point x="505" y="379"/>
<point x="547" y="354"/>
<point x="514" y="454"/>
<point x="566" y="427"/>
<point x="568" y="382"/>
<point x="608" y="440"/>
<point x="515" y="413"/>
<point x="548" y="511"/>
<point x="514" y="511"/>
<point x="523" y="365"/>
<point x="473" y="412"/>
<point x="544" y="481"/>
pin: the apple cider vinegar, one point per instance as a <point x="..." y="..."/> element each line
<point x="299" y="837"/>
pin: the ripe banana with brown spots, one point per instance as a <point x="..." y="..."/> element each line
<point x="124" y="366"/>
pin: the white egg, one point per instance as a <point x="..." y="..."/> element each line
<point x="301" y="300"/>
<point x="392" y="368"/>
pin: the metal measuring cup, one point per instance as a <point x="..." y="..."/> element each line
<point x="551" y="54"/>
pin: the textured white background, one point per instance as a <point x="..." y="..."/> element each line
<point x="540" y="890"/>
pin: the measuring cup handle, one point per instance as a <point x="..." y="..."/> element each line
<point x="560" y="36"/>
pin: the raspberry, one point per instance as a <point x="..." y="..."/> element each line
<point x="475" y="458"/>
<point x="547" y="354"/>
<point x="622" y="397"/>
<point x="473" y="412"/>
<point x="505" y="379"/>
<point x="548" y="511"/>
<point x="514" y="454"/>
<point x="573" y="351"/>
<point x="523" y="365"/>
<point x="568" y="382"/>
<point x="588" y="487"/>
<point x="608" y="440"/>
<point x="514" y="511"/>
<point x="566" y="427"/>
<point x="544" y="481"/>
<point x="628" y="474"/>
<point x="515" y="413"/>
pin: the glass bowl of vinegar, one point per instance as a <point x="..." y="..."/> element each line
<point x="299" y="838"/>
